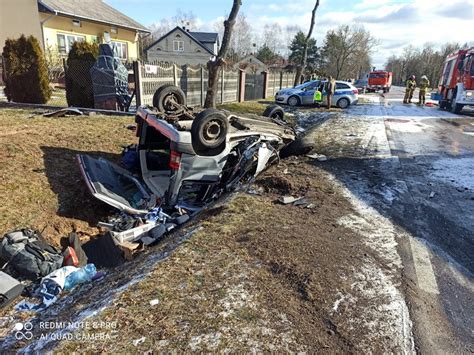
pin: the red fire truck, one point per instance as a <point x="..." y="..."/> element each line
<point x="456" y="85"/>
<point x="379" y="80"/>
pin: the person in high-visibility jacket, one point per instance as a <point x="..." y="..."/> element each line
<point x="318" y="97"/>
<point x="424" y="84"/>
<point x="410" y="89"/>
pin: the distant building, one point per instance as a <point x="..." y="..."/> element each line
<point x="57" y="24"/>
<point x="251" y="64"/>
<point x="181" y="46"/>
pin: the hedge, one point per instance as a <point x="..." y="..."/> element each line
<point x="26" y="73"/>
<point x="79" y="89"/>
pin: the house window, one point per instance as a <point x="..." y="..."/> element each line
<point x="65" y="42"/>
<point x="120" y="50"/>
<point x="178" y="46"/>
<point x="76" y="23"/>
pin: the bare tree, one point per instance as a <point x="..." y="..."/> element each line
<point x="273" y="37"/>
<point x="242" y="37"/>
<point x="186" y="19"/>
<point x="160" y="28"/>
<point x="302" y="65"/>
<point x="425" y="61"/>
<point x="288" y="36"/>
<point x="215" y="65"/>
<point x="345" y="50"/>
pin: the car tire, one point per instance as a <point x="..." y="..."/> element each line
<point x="208" y="132"/>
<point x="456" y="108"/>
<point x="442" y="104"/>
<point x="300" y="146"/>
<point x="274" y="111"/>
<point x="163" y="95"/>
<point x="343" y="103"/>
<point x="293" y="100"/>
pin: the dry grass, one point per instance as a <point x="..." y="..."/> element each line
<point x="39" y="180"/>
<point x="255" y="107"/>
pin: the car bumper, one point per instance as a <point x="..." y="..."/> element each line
<point x="281" y="99"/>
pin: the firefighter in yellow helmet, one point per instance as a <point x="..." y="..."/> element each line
<point x="410" y="88"/>
<point x="424" y="84"/>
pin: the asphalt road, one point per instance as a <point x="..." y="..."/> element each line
<point x="416" y="168"/>
<point x="436" y="154"/>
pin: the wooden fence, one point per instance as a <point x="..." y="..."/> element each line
<point x="192" y="80"/>
<point x="149" y="76"/>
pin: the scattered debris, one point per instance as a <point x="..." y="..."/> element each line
<point x="63" y="112"/>
<point x="286" y="200"/>
<point x="432" y="194"/>
<point x="154" y="302"/>
<point x="10" y="289"/>
<point x="256" y="191"/>
<point x="138" y="341"/>
<point x="130" y="249"/>
<point x="319" y="157"/>
<point x="285" y="171"/>
<point x="131" y="127"/>
<point x="301" y="202"/>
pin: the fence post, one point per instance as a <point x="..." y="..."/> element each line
<point x="222" y="85"/>
<point x="175" y="74"/>
<point x="241" y="87"/>
<point x="137" y="73"/>
<point x="265" y="84"/>
<point x="202" y="85"/>
<point x="281" y="80"/>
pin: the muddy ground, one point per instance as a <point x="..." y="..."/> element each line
<point x="255" y="275"/>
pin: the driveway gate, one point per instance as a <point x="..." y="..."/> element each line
<point x="253" y="86"/>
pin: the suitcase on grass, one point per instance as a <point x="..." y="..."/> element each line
<point x="10" y="289"/>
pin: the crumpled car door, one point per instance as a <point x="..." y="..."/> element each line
<point x="115" y="186"/>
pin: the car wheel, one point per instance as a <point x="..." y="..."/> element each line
<point x="208" y="132"/>
<point x="294" y="101"/>
<point x="343" y="103"/>
<point x="456" y="108"/>
<point x="274" y="111"/>
<point x="167" y="97"/>
<point x="300" y="146"/>
<point x="442" y="104"/>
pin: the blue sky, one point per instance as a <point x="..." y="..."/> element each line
<point x="394" y="23"/>
<point x="150" y="11"/>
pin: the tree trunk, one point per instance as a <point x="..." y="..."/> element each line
<point x="300" y="68"/>
<point x="214" y="65"/>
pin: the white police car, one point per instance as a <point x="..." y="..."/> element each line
<point x="344" y="95"/>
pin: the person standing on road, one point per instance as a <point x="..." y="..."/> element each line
<point x="424" y="83"/>
<point x="410" y="89"/>
<point x="331" y="88"/>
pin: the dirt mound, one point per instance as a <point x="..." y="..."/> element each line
<point x="276" y="184"/>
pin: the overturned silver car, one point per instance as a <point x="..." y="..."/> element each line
<point x="186" y="159"/>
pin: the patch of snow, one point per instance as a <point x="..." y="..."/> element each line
<point x="389" y="318"/>
<point x="455" y="171"/>
<point x="211" y="341"/>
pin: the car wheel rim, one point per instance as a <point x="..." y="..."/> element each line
<point x="170" y="102"/>
<point x="343" y="104"/>
<point x="212" y="131"/>
<point x="292" y="101"/>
